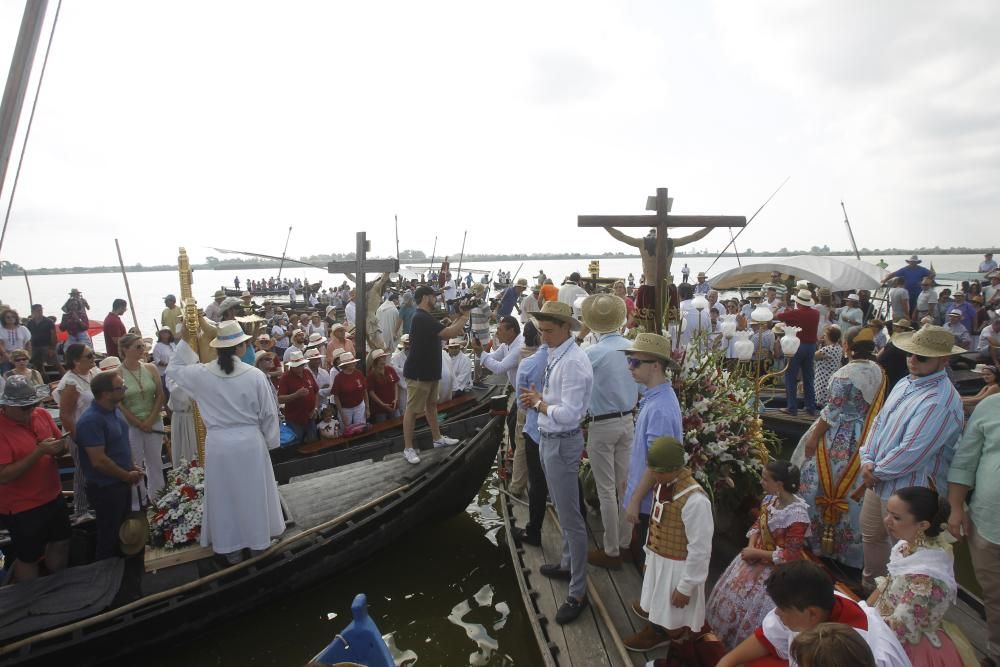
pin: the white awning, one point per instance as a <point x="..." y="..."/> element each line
<point x="839" y="274"/>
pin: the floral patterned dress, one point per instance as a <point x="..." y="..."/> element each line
<point x="913" y="600"/>
<point x="739" y="601"/>
<point x="825" y="368"/>
<point x="846" y="414"/>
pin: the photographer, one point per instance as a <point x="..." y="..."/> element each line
<point x="422" y="369"/>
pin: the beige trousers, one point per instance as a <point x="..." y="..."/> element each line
<point x="874" y="539"/>
<point x="986" y="561"/>
<point x="519" y="474"/>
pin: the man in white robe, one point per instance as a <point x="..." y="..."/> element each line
<point x="389" y="321"/>
<point x="461" y="366"/>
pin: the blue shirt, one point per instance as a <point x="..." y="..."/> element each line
<point x="614" y="388"/>
<point x="530" y="372"/>
<point x="659" y="414"/>
<point x="968" y="315"/>
<point x="913" y="437"/>
<point x="507" y="301"/>
<point x="98" y="427"/>
<point x="911" y="274"/>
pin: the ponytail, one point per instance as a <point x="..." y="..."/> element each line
<point x="227" y="356"/>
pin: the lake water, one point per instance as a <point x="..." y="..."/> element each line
<point x="148" y="288"/>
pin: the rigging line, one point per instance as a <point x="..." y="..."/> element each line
<point x="733" y="243"/>
<point x="748" y="224"/>
<point x="27" y="129"/>
<point x="274" y="257"/>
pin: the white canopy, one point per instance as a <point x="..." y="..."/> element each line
<point x="840" y="274"/>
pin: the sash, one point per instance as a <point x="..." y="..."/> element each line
<point x="766" y="539"/>
<point x="833" y="501"/>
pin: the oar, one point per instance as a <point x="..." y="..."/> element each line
<point x="128" y="290"/>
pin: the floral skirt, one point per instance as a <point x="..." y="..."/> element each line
<point x="739" y="601"/>
<point x="955" y="651"/>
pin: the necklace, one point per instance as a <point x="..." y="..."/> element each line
<point x="84" y="380"/>
<point x="549" y="367"/>
<point x="142" y="390"/>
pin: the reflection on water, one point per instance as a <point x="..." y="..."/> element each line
<point x="445" y="595"/>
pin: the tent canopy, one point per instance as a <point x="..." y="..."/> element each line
<point x="839" y="274"/>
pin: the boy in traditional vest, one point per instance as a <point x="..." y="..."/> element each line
<point x="677" y="552"/>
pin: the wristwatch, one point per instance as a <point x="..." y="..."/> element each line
<point x="537" y="403"/>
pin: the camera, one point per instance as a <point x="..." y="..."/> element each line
<point x="465" y="302"/>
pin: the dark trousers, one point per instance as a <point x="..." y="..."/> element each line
<point x="39" y="357"/>
<point x="110" y="503"/>
<point x="804" y="359"/>
<point x="538" y="490"/>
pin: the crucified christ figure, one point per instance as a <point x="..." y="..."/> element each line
<point x="647" y="248"/>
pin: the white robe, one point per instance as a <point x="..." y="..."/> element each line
<point x="183" y="439"/>
<point x="445" y="384"/>
<point x="461" y="372"/>
<point x="240" y="412"/>
<point x="388" y="322"/>
<point x="397" y="360"/>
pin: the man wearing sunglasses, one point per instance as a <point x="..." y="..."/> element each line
<point x="913" y="438"/>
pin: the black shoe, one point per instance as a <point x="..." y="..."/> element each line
<point x="570" y="610"/>
<point x="522" y="536"/>
<point x="553" y="571"/>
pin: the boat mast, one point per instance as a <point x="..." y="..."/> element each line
<point x="284" y="252"/>
<point x="850" y="233"/>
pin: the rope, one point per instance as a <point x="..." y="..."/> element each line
<point x="27" y="131"/>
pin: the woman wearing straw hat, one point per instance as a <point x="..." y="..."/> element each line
<point x="350" y="392"/>
<point x="240" y="413"/>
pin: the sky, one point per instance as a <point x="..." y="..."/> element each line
<point x="205" y="124"/>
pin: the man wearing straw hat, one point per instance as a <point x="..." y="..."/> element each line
<point x="806" y="318"/>
<point x="609" y="437"/>
<point x="912" y="441"/>
<point x="212" y="310"/>
<point x="561" y="402"/>
<point x="912" y="274"/>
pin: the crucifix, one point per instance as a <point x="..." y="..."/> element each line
<point x="359" y="266"/>
<point x="657" y="248"/>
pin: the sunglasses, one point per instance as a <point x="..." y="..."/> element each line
<point x="919" y="357"/>
<point x="20" y="359"/>
<point x="121" y="388"/>
<point x="634" y="363"/>
<point x="89" y="356"/>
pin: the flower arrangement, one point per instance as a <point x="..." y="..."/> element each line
<point x="725" y="442"/>
<point x="175" y="517"/>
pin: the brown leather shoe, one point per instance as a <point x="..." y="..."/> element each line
<point x="638" y="610"/>
<point x="600" y="559"/>
<point x="647" y="639"/>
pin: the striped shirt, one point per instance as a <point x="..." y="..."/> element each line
<point x="914" y="436"/>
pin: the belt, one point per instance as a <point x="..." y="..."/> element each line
<point x="611" y="415"/>
<point x="561" y="434"/>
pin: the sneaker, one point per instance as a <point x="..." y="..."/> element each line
<point x="445" y="441"/>
<point x="410" y="454"/>
<point x="553" y="571"/>
<point x="570" y="610"/>
<point x="600" y="558"/>
<point x="647" y="639"/>
<point x="638" y="610"/>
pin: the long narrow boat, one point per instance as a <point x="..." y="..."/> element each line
<point x="340" y="507"/>
<point x="282" y="291"/>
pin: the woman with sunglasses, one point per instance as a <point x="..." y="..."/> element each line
<point x="74" y="396"/>
<point x="20" y="360"/>
<point x="15" y="336"/>
<point x="144" y="398"/>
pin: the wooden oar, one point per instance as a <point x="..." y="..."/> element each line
<point x="128" y="290"/>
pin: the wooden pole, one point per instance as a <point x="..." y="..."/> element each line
<point x="128" y="290"/>
<point x="461" y="256"/>
<point x="284" y="252"/>
<point x="395" y="219"/>
<point x="31" y="299"/>
<point x="662" y="209"/>
<point x="433" y="255"/>
<point x="361" y="303"/>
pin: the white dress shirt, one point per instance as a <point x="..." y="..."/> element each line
<point x="504" y="359"/>
<point x="461" y="372"/>
<point x="529" y="304"/>
<point x="567" y="386"/>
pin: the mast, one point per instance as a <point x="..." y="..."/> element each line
<point x="284" y="252"/>
<point x="850" y="233"/>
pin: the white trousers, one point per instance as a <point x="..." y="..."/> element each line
<point x="147" y="452"/>
<point x="355" y="415"/>
<point x="609" y="448"/>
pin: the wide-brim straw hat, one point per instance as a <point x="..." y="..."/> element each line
<point x="346" y="358"/>
<point x="914" y="260"/>
<point x="296" y="359"/>
<point x="456" y="342"/>
<point x="20" y="392"/>
<point x="311" y="353"/>
<point x="133" y="533"/>
<point x="109" y="363"/>
<point x="246" y="294"/>
<point x="219" y="294"/>
<point x="559" y="311"/>
<point x="521" y="282"/>
<point x="376" y="354"/>
<point x="930" y="341"/>
<point x="316" y="339"/>
<point x="230" y="302"/>
<point x="652" y="344"/>
<point x="902" y="323"/>
<point x="804" y="297"/>
<point x="230" y="334"/>
<point x="604" y="313"/>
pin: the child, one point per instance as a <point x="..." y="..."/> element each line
<point x="803" y="596"/>
<point x="831" y="645"/>
<point x="328" y="426"/>
<point x="678" y="549"/>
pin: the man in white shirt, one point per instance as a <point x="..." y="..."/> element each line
<point x="989" y="343"/>
<point x="279" y="334"/>
<point x="298" y="345"/>
<point x="350" y="310"/>
<point x="927" y="300"/>
<point x="562" y="402"/>
<point x="713" y="302"/>
<point x="505" y="358"/>
<point x="212" y="311"/>
<point x="461" y="366"/>
<point x="323" y="378"/>
<point x="570" y="292"/>
<point x="450" y="290"/>
<point x="389" y="321"/>
<point x="291" y="295"/>
<point x="899" y="299"/>
<point x="529" y="303"/>
<point x="398" y="360"/>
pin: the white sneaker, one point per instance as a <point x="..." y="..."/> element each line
<point x="445" y="441"/>
<point x="410" y="454"/>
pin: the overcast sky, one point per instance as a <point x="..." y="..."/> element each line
<point x="222" y="123"/>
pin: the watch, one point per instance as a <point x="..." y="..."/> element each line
<point x="537" y="403"/>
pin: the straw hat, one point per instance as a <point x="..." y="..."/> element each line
<point x="296" y="359"/>
<point x="804" y="297"/>
<point x="260" y="353"/>
<point x="219" y="294"/>
<point x="603" y="313"/>
<point x="456" y="342"/>
<point x="955" y="313"/>
<point x="930" y="341"/>
<point x="109" y="364"/>
<point x="523" y="282"/>
<point x="337" y="327"/>
<point x="802" y="284"/>
<point x="376" y="354"/>
<point x="346" y="358"/>
<point x="316" y="338"/>
<point x="230" y="302"/>
<point x="701" y="274"/>
<point x="852" y="297"/>
<point x="650" y="343"/>
<point x="246" y="295"/>
<point x="21" y="392"/>
<point x="756" y="295"/>
<point x="914" y="260"/>
<point x="230" y="334"/>
<point x="133" y="532"/>
<point x="336" y="353"/>
<point x="310" y="354"/>
<point x="478" y="288"/>
<point x="557" y="310"/>
<point x="903" y="324"/>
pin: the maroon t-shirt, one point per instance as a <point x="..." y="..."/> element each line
<point x="350" y="388"/>
<point x="113" y="328"/>
<point x="300" y="410"/>
<point x="806" y="319"/>
<point x="384" y="387"/>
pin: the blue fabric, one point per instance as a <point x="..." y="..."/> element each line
<point x="968" y="315"/>
<point x="249" y="356"/>
<point x="911" y="274"/>
<point x="507" y="301"/>
<point x="615" y="390"/>
<point x="98" y="427"/>
<point x="561" y="462"/>
<point x="659" y="414"/>
<point x="406" y="313"/>
<point x="530" y="372"/>
<point x="804" y="359"/>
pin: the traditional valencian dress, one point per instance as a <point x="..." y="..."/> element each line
<point x="739" y="601"/>
<point x="831" y="479"/>
<point x="240" y="411"/>
<point x="677" y="553"/>
<point x="913" y="600"/>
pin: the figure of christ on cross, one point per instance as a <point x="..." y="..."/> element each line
<point x="657" y="249"/>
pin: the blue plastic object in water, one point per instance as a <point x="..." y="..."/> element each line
<point x="360" y="642"/>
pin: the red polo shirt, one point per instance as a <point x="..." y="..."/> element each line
<point x="806" y="319"/>
<point x="384" y="387"/>
<point x="300" y="410"/>
<point x="40" y="483"/>
<point x="350" y="388"/>
<point x="113" y="328"/>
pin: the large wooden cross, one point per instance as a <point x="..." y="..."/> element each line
<point x="359" y="266"/>
<point x="661" y="221"/>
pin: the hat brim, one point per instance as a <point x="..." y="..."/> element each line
<point x="651" y="353"/>
<point x="347" y="363"/>
<point x="904" y="341"/>
<point x="316" y="342"/>
<point x="41" y="393"/>
<point x="574" y="323"/>
<point x="804" y="302"/>
<point x="295" y="364"/>
<point x="230" y="343"/>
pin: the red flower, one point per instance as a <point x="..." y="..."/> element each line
<point x="189" y="492"/>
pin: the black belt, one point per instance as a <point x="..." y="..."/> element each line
<point x="610" y="415"/>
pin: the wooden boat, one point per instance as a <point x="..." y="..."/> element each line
<point x="340" y="507"/>
<point x="312" y="288"/>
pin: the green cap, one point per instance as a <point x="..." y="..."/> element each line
<point x="666" y="454"/>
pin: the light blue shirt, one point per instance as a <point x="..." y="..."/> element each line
<point x="530" y="372"/>
<point x="614" y="388"/>
<point x="659" y="414"/>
